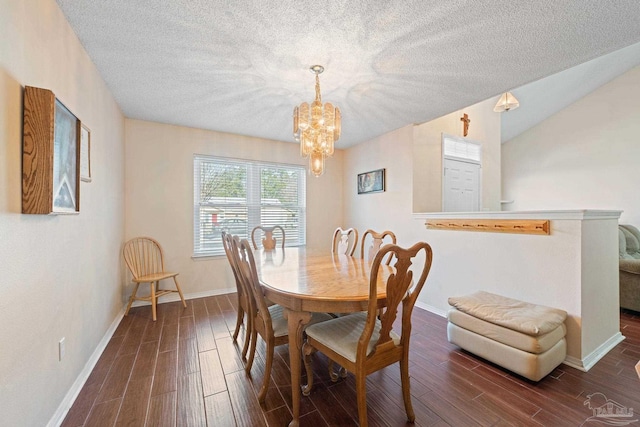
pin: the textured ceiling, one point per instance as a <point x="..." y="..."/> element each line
<point x="242" y="66"/>
<point x="545" y="97"/>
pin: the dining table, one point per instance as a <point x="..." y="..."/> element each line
<point x="304" y="282"/>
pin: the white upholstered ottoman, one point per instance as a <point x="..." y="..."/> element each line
<point x="525" y="338"/>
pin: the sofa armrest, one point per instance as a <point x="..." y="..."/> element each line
<point x="630" y="265"/>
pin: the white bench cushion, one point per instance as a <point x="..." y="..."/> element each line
<point x="531" y="344"/>
<point x="530" y="319"/>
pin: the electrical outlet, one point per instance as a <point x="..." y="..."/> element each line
<point x="61" y="349"/>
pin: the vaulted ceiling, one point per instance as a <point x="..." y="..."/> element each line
<point x="242" y="66"/>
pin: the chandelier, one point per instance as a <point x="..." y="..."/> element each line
<point x="316" y="127"/>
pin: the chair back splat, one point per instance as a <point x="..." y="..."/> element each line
<point x="344" y="241"/>
<point x="377" y="240"/>
<point x="400" y="289"/>
<point x="269" y="241"/>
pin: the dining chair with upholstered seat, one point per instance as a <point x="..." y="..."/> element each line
<point x="243" y="298"/>
<point x="267" y="321"/>
<point x="363" y="343"/>
<point x="344" y="241"/>
<point x="377" y="239"/>
<point x="145" y="259"/>
<point x="268" y="241"/>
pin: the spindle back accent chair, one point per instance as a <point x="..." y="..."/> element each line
<point x="360" y="342"/>
<point x="145" y="258"/>
<point x="377" y="239"/>
<point x="344" y="241"/>
<point x="268" y="241"/>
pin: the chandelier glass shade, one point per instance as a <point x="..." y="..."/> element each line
<point x="316" y="127"/>
<point x="506" y="102"/>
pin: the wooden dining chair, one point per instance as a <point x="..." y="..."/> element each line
<point x="145" y="259"/>
<point x="267" y="321"/>
<point x="377" y="239"/>
<point x="344" y="241"/>
<point x="361" y="342"/>
<point x="269" y="240"/>
<point x="243" y="298"/>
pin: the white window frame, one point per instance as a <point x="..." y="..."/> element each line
<point x="253" y="203"/>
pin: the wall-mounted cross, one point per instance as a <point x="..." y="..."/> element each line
<point x="465" y="127"/>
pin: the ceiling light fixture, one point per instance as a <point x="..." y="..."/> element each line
<point x="316" y="127"/>
<point x="506" y="102"/>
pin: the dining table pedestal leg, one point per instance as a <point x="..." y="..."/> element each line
<point x="296" y="321"/>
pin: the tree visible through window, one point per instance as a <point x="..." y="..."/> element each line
<point x="236" y="195"/>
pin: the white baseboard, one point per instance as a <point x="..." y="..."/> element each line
<point x="593" y="358"/>
<point x="431" y="309"/>
<point x="175" y="297"/>
<point x="72" y="394"/>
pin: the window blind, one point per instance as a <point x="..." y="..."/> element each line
<point x="462" y="149"/>
<point x="237" y="195"/>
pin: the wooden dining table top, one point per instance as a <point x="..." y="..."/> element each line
<point x="308" y="281"/>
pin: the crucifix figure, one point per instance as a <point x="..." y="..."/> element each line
<point x="465" y="127"/>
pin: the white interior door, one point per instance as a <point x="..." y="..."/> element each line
<point x="461" y="190"/>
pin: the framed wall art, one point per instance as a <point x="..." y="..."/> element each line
<point x="371" y="182"/>
<point x="85" y="153"/>
<point x="50" y="155"/>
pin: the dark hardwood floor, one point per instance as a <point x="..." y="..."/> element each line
<point x="185" y="370"/>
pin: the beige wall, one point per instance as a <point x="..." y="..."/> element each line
<point x="405" y="178"/>
<point x="60" y="274"/>
<point x="586" y="156"/>
<point x="484" y="128"/>
<point x="159" y="194"/>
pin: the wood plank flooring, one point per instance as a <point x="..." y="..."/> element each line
<point x="185" y="370"/>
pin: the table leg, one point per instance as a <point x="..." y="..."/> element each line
<point x="296" y="321"/>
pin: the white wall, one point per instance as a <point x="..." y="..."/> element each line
<point x="60" y="274"/>
<point x="484" y="128"/>
<point x="159" y="194"/>
<point x="586" y="156"/>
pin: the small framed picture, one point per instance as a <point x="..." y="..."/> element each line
<point x="66" y="187"/>
<point x="371" y="182"/>
<point x="85" y="154"/>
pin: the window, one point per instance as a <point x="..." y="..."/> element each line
<point x="237" y="195"/>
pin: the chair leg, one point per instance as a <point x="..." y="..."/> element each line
<point x="132" y="298"/>
<point x="248" y="330"/>
<point x="332" y="373"/>
<point x="252" y="351"/>
<point x="267" y="370"/>
<point x="361" y="393"/>
<point x="153" y="299"/>
<point x="307" y="351"/>
<point x="239" y="318"/>
<point x="406" y="389"/>
<point x="184" y="303"/>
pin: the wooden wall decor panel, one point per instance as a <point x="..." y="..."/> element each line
<point x="51" y="142"/>
<point x="518" y="226"/>
<point x="37" y="151"/>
